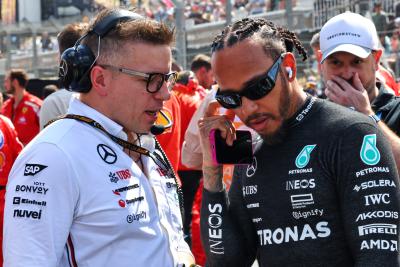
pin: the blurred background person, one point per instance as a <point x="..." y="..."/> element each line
<point x="22" y="108"/>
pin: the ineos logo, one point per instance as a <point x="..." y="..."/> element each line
<point x="251" y="169"/>
<point x="106" y="154"/>
<point x="63" y="69"/>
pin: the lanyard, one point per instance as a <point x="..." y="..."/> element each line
<point x="156" y="157"/>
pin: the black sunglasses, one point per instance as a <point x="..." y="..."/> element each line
<point x="256" y="88"/>
<point x="154" y="80"/>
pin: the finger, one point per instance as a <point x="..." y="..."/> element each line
<point x="357" y="83"/>
<point x="230" y="114"/>
<point x="343" y="84"/>
<point x="333" y="89"/>
<point x="212" y="109"/>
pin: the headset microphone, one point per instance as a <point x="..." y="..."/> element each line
<point x="159" y="129"/>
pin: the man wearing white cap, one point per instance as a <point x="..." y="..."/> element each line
<point x="350" y="56"/>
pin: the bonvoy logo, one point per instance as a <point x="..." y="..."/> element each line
<point x="303" y="157"/>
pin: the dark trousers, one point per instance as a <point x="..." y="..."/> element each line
<point x="190" y="182"/>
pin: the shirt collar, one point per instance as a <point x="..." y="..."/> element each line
<point x="79" y="108"/>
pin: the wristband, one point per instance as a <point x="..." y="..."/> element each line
<point x="375" y="118"/>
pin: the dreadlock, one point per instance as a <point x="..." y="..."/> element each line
<point x="275" y="39"/>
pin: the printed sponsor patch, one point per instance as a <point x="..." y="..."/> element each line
<point x="33" y="169"/>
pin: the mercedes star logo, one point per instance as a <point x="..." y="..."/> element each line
<point x="106" y="154"/>
<point x="251" y="169"/>
<point x="63" y="69"/>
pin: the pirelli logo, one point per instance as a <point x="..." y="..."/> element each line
<point x="377" y="228"/>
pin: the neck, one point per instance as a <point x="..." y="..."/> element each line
<point x="18" y="95"/>
<point x="297" y="99"/>
<point x="372" y="94"/>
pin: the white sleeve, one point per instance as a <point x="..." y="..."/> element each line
<point x="41" y="197"/>
<point x="191" y="155"/>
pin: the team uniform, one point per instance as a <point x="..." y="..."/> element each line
<point x="10" y="146"/>
<point x="76" y="199"/>
<point x="326" y="196"/>
<point x="387" y="107"/>
<point x="25" y="116"/>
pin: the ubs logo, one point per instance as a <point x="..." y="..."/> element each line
<point x="106" y="154"/>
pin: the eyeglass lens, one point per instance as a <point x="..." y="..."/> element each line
<point x="156" y="81"/>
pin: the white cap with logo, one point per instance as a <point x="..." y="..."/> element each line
<point x="348" y="32"/>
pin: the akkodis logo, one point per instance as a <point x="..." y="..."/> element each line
<point x="304" y="156"/>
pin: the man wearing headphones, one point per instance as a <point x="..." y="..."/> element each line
<point x="95" y="188"/>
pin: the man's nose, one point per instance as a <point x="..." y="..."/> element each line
<point x="347" y="73"/>
<point x="248" y="106"/>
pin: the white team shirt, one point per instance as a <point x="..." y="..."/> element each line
<point x="75" y="198"/>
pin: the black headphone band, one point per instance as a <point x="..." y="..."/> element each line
<point x="77" y="61"/>
<point x="110" y="21"/>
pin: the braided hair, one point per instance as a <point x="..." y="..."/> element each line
<point x="275" y="39"/>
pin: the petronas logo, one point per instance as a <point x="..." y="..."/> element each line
<point x="304" y="156"/>
<point x="369" y="153"/>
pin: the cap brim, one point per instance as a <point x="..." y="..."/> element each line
<point x="356" y="50"/>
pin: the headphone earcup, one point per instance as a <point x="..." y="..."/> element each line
<point x="74" y="71"/>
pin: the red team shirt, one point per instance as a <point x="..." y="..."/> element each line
<point x="25" y="117"/>
<point x="10" y="147"/>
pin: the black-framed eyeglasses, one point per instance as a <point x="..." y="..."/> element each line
<point x="254" y="89"/>
<point x="154" y="80"/>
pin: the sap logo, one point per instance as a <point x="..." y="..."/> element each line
<point x="19" y="200"/>
<point x="214" y="229"/>
<point x="378" y="214"/>
<point x="37" y="215"/>
<point x="300" y="184"/>
<point x="32" y="169"/>
<point x="249" y="190"/>
<point x="377" y="228"/>
<point x="293" y="234"/>
<point x="301" y="201"/>
<point x="371" y="184"/>
<point x="136" y="217"/>
<point x="31" y="189"/>
<point x="376" y="199"/>
<point x="390" y="245"/>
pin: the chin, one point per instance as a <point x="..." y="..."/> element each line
<point x="276" y="137"/>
